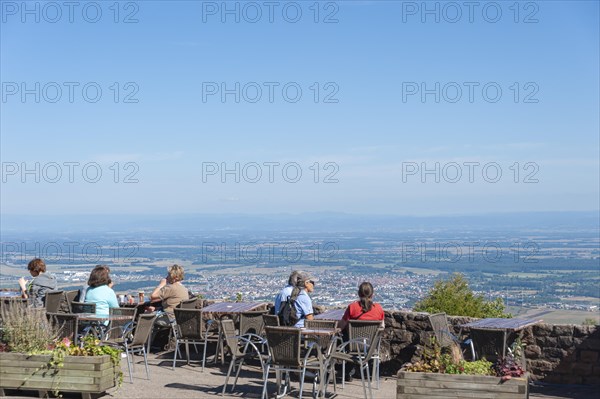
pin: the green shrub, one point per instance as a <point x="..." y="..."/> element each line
<point x="454" y="297"/>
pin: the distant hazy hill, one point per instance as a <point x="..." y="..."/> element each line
<point x="308" y="222"/>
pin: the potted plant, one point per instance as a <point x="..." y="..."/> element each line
<point x="446" y="374"/>
<point x="32" y="357"/>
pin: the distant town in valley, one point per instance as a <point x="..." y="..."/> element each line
<point x="551" y="272"/>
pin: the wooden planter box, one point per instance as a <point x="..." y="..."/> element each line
<point x="434" y="385"/>
<point x="85" y="374"/>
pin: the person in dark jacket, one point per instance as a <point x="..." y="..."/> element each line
<point x="37" y="288"/>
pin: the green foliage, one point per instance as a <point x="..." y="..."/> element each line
<point x="590" y="321"/>
<point x="26" y="329"/>
<point x="455" y="298"/>
<point x="238" y="297"/>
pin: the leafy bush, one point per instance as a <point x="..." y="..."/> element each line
<point x="455" y="298"/>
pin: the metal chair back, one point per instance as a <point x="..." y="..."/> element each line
<point x="71" y="295"/>
<point x="231" y="340"/>
<point x="83" y="307"/>
<point x="189" y="303"/>
<point x="53" y="300"/>
<point x="320" y="324"/>
<point x="252" y="322"/>
<point x="117" y="327"/>
<point x="143" y="329"/>
<point x="363" y="329"/>
<point x="284" y="345"/>
<point x="439" y="324"/>
<point x="189" y="323"/>
<point x="271" y="320"/>
<point x="67" y="323"/>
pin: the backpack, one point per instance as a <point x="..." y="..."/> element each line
<point x="287" y="314"/>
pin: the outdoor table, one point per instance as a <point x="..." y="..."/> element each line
<point x="332" y="314"/>
<point x="224" y="309"/>
<point x="502" y="326"/>
<point x="10" y="294"/>
<point x="231" y="308"/>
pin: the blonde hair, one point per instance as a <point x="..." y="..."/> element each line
<point x="176" y="273"/>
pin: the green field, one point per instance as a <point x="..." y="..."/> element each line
<point x="552" y="316"/>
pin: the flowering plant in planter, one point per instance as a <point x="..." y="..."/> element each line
<point x="437" y="360"/>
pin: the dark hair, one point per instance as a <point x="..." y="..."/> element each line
<point x="99" y="276"/>
<point x="293" y="280"/>
<point x="365" y="292"/>
<point x="37" y="265"/>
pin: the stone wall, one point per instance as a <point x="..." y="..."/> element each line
<point x="568" y="354"/>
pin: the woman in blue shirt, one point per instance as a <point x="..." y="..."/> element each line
<point x="99" y="291"/>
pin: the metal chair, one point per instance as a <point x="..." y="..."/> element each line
<point x="252" y="322"/>
<point x="118" y="327"/>
<point x="189" y="303"/>
<point x="235" y="343"/>
<point x="360" y="337"/>
<point x="360" y="352"/>
<point x="71" y="296"/>
<point x="87" y="327"/>
<point x="192" y="329"/>
<point x="135" y="343"/>
<point x="325" y="342"/>
<point x="439" y="325"/>
<point x="53" y="301"/>
<point x="317" y="324"/>
<point x="83" y="307"/>
<point x="271" y="320"/>
<point x="68" y="325"/>
<point x="285" y="349"/>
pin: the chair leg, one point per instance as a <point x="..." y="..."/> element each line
<point x="227" y="378"/>
<point x="146" y="362"/>
<point x="343" y="373"/>
<point x="265" y="378"/>
<point x="129" y="365"/>
<point x="237" y="374"/>
<point x="302" y="375"/>
<point x="368" y="374"/>
<point x="204" y="352"/>
<point x="376" y="372"/>
<point x="176" y="351"/>
<point x="362" y="379"/>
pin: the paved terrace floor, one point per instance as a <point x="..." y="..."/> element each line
<point x="188" y="381"/>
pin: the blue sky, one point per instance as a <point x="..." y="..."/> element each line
<point x="370" y="57"/>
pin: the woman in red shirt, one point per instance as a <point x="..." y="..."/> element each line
<point x="364" y="308"/>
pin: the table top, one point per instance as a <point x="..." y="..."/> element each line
<point x="332" y="314"/>
<point x="94" y="316"/>
<point x="232" y="307"/>
<point x="10" y="294"/>
<point x="319" y="331"/>
<point x="501" y="324"/>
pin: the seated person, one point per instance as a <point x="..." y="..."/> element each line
<point x="304" y="309"/>
<point x="170" y="291"/>
<point x="364" y="308"/>
<point x="100" y="291"/>
<point x="286" y="291"/>
<point x="37" y="288"/>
